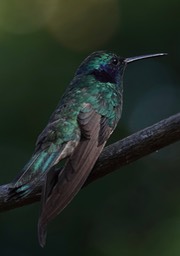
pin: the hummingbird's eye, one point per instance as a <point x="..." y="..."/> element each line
<point x="115" y="61"/>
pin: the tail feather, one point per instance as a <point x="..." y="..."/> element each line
<point x="42" y="234"/>
<point x="31" y="175"/>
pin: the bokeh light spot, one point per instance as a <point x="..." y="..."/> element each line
<point x="85" y="25"/>
<point x="25" y="16"/>
<point x="156" y="104"/>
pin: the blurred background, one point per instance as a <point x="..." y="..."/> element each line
<point x="134" y="211"/>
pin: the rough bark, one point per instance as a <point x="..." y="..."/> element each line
<point x="116" y="155"/>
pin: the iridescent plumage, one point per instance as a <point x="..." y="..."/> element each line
<point x="77" y="130"/>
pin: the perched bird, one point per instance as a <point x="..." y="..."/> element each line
<point x="77" y="130"/>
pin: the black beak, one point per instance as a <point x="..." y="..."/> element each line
<point x="131" y="59"/>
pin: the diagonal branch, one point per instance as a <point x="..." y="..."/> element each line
<point x="116" y="155"/>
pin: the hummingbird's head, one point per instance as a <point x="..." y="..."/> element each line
<point x="105" y="66"/>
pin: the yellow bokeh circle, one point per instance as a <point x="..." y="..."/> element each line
<point x="84" y="25"/>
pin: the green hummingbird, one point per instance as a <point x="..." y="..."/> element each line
<point x="77" y="130"/>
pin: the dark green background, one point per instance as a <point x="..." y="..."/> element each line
<point x="135" y="211"/>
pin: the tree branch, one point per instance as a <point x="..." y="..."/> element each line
<point x="116" y="155"/>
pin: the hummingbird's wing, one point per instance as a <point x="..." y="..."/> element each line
<point x="94" y="134"/>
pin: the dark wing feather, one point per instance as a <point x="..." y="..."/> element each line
<point x="77" y="168"/>
<point x="105" y="131"/>
<point x="50" y="181"/>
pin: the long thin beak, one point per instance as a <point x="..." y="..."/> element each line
<point x="131" y="59"/>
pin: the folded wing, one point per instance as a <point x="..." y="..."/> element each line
<point x="64" y="186"/>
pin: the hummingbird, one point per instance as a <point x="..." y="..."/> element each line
<point x="77" y="131"/>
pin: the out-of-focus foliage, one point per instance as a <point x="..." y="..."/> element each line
<point x="131" y="212"/>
